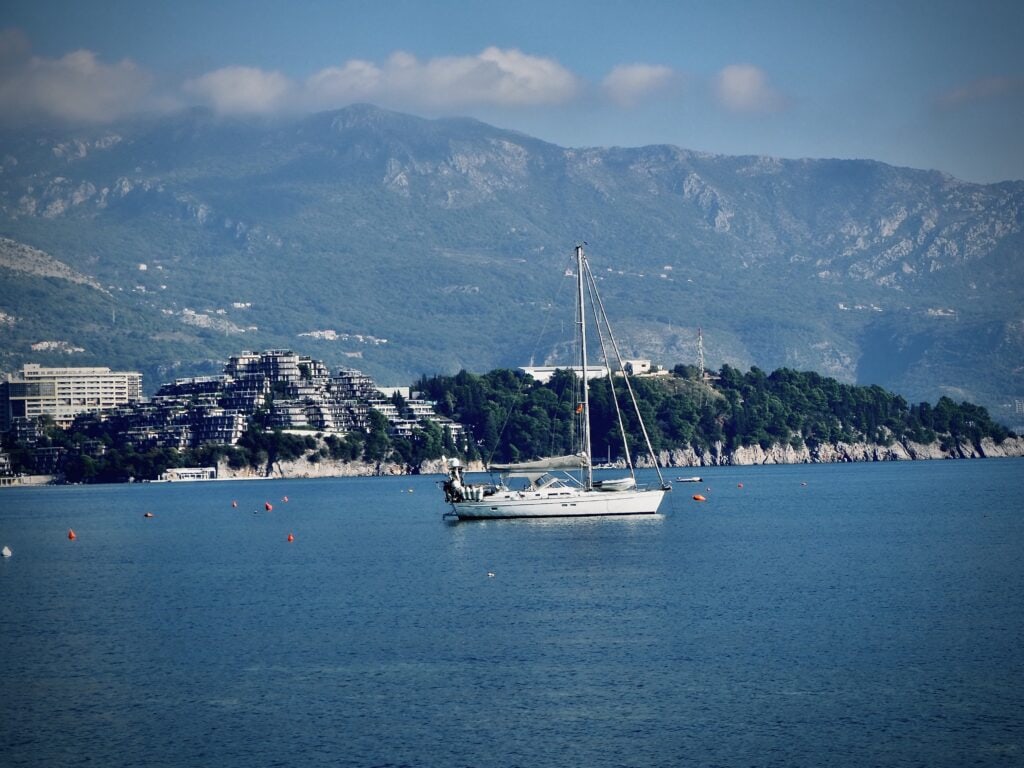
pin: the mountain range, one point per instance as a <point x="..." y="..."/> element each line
<point x="404" y="246"/>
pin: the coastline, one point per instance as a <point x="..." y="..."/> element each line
<point x="715" y="456"/>
<point x="832" y="453"/>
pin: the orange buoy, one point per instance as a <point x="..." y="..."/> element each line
<point x="148" y="514"/>
<point x="291" y="537"/>
<point x="234" y="503"/>
<point x="71" y="534"/>
<point x="698" y="497"/>
<point x="268" y="506"/>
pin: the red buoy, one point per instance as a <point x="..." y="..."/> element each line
<point x="71" y="534"/>
<point x="698" y="497"/>
<point x="268" y="506"/>
<point x="291" y="537"/>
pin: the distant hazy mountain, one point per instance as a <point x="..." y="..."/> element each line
<point x="408" y="246"/>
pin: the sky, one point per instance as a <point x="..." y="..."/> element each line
<point x="932" y="85"/>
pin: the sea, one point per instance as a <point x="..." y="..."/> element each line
<point x="813" y="615"/>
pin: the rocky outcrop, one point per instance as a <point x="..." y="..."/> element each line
<point x="304" y="468"/>
<point x="1008" y="448"/>
<point x="715" y="456"/>
<point x="839" y="452"/>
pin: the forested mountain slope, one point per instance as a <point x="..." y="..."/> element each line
<point x="405" y="246"/>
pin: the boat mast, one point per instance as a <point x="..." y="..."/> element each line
<point x="583" y="360"/>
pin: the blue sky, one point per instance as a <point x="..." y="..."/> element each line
<point x="936" y="85"/>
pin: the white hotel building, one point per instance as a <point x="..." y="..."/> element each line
<point x="63" y="393"/>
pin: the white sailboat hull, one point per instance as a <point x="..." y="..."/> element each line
<point x="560" y="503"/>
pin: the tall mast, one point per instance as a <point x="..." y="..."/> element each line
<point x="583" y="359"/>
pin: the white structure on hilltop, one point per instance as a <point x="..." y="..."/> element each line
<point x="542" y="373"/>
<point x="63" y="393"/>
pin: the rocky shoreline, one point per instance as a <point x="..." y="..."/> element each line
<point x="832" y="453"/>
<point x="715" y="456"/>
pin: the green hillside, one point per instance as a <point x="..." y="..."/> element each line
<point x="445" y="238"/>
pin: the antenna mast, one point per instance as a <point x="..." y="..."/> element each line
<point x="700" y="352"/>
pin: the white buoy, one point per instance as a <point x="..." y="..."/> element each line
<point x="6" y="552"/>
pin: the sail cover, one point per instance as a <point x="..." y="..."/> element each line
<point x="573" y="461"/>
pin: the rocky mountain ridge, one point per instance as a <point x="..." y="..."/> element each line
<point x="366" y="223"/>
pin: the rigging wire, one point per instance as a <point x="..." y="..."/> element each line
<point x="632" y="395"/>
<point x="594" y="303"/>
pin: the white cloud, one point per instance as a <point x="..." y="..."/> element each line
<point x="77" y="86"/>
<point x="357" y="80"/>
<point x="628" y="84"/>
<point x="242" y="90"/>
<point x="495" y="76"/>
<point x="983" y="90"/>
<point x="745" y="88"/>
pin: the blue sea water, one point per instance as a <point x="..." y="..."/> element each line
<point x="840" y="615"/>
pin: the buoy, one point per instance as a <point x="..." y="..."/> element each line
<point x="291" y="537"/>
<point x="71" y="534"/>
<point x="148" y="514"/>
<point x="234" y="503"/>
<point x="698" y="497"/>
<point x="6" y="552"/>
<point x="268" y="506"/>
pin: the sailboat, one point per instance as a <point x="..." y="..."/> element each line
<point x="564" y="486"/>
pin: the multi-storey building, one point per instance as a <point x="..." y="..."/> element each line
<point x="219" y="427"/>
<point x="63" y="393"/>
<point x="289" y="390"/>
<point x="353" y="385"/>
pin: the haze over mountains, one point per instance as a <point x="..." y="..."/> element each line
<point x="402" y="246"/>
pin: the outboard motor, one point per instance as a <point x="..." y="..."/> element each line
<point x="454" y="487"/>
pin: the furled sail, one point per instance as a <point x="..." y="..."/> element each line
<point x="572" y="461"/>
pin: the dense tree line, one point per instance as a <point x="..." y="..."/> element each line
<point x="95" y="450"/>
<point x="682" y="410"/>
<point x="511" y="417"/>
